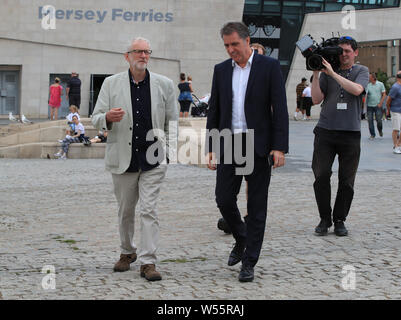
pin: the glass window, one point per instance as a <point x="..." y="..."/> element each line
<point x="271" y="6"/>
<point x="391" y="3"/>
<point x="252" y="5"/>
<point x="313" y="7"/>
<point x="333" y="7"/>
<point x="292" y="7"/>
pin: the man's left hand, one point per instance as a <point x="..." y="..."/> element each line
<point x="279" y="158"/>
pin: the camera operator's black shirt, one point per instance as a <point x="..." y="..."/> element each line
<point x="330" y="117"/>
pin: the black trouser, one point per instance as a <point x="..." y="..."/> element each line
<point x="74" y="99"/>
<point x="328" y="144"/>
<point x="184" y="105"/>
<point x="228" y="185"/>
<point x="306" y="105"/>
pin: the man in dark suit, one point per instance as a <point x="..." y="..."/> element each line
<point x="248" y="100"/>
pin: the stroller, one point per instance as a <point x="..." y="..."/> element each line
<point x="200" y="106"/>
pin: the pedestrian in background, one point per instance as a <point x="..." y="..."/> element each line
<point x="298" y="90"/>
<point x="259" y="48"/>
<point x="185" y="97"/>
<point x="55" y="92"/>
<point x="307" y="101"/>
<point x="375" y="95"/>
<point x="71" y="137"/>
<point x="74" y="90"/>
<point x="394" y="106"/>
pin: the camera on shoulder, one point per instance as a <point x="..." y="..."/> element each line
<point x="314" y="52"/>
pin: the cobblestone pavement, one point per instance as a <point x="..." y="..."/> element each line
<point x="64" y="214"/>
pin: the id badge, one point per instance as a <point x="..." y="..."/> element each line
<point x="341" y="106"/>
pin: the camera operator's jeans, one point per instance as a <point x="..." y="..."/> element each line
<point x="377" y="112"/>
<point x="328" y="144"/>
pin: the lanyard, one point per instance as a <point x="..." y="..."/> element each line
<point x="342" y="92"/>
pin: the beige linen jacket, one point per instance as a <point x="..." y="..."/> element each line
<point x="116" y="93"/>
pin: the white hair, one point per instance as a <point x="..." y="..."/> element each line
<point x="137" y="39"/>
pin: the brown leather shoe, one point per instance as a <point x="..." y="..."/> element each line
<point x="124" y="263"/>
<point x="149" y="272"/>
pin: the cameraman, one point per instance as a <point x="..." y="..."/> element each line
<point x="338" y="132"/>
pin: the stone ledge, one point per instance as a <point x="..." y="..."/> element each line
<point x="48" y="149"/>
<point x="21" y="127"/>
<point x="49" y="134"/>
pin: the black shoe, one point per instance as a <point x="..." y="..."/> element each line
<point x="236" y="254"/>
<point x="340" y="229"/>
<point x="246" y="274"/>
<point x="222" y="225"/>
<point x="323" y="227"/>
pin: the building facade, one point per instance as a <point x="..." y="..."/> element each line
<point x="278" y="25"/>
<point x="373" y="25"/>
<point x="90" y="37"/>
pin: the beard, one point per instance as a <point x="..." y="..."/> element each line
<point x="140" y="66"/>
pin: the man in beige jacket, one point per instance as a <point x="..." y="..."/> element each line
<point x="139" y="110"/>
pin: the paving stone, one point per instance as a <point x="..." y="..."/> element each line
<point x="64" y="213"/>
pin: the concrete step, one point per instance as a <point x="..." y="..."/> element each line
<point x="21" y="127"/>
<point x="42" y="143"/>
<point x="48" y="149"/>
<point x="48" y="134"/>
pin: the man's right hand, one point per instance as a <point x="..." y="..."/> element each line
<point x="211" y="161"/>
<point x="115" y="115"/>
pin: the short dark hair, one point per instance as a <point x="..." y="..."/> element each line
<point x="303" y="79"/>
<point x="374" y="75"/>
<point x="238" y="27"/>
<point x="311" y="78"/>
<point x="348" y="40"/>
<point x="74" y="116"/>
<point x="182" y="76"/>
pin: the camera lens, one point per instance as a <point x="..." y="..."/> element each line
<point x="315" y="62"/>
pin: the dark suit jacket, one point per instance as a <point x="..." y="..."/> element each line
<point x="265" y="104"/>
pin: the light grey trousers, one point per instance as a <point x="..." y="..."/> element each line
<point x="144" y="186"/>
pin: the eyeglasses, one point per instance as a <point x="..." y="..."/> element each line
<point x="147" y="52"/>
<point x="346" y="38"/>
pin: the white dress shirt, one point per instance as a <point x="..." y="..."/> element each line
<point x="239" y="84"/>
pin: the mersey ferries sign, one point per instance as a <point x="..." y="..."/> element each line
<point x="49" y="13"/>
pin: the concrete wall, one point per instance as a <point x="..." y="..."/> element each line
<point x="371" y="25"/>
<point x="91" y="42"/>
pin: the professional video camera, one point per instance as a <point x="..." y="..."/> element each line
<point x="313" y="52"/>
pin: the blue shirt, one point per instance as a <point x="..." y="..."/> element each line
<point x="395" y="94"/>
